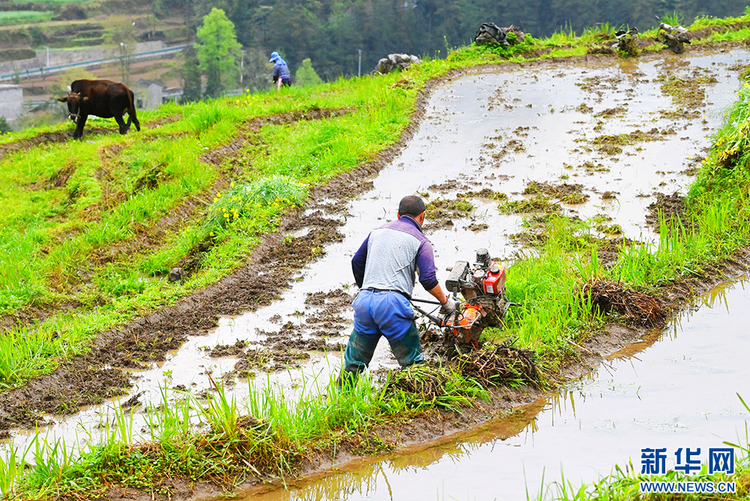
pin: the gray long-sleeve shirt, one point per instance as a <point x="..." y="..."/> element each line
<point x="390" y="256"/>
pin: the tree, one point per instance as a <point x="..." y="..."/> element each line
<point x="123" y="43"/>
<point x="218" y="52"/>
<point x="306" y="75"/>
<point x="257" y="74"/>
<point x="294" y="30"/>
<point x="191" y="78"/>
<point x="4" y="126"/>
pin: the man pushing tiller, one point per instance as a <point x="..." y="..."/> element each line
<point x="384" y="268"/>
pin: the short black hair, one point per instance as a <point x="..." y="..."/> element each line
<point x="411" y="205"/>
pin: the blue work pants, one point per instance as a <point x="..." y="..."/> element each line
<point x="382" y="313"/>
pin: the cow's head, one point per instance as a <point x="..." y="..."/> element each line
<point x="74" y="100"/>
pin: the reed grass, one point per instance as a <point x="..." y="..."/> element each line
<point x="553" y="316"/>
<point x="12" y="467"/>
<point x="225" y="441"/>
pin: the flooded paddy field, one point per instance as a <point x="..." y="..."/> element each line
<point x="607" y="140"/>
<point x="676" y="389"/>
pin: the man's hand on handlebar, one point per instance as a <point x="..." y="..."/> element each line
<point x="449" y="306"/>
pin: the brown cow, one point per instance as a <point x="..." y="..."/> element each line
<point x="103" y="98"/>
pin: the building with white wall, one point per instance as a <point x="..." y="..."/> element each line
<point x="11" y="102"/>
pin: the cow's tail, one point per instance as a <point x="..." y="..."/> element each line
<point x="131" y="112"/>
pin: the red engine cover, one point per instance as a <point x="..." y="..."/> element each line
<point x="494" y="282"/>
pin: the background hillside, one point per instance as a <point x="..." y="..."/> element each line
<point x="331" y="33"/>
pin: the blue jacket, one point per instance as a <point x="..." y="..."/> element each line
<point x="280" y="68"/>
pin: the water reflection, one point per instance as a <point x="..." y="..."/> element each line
<point x="718" y="295"/>
<point x="715" y="297"/>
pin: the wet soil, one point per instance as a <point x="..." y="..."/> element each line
<point x="149" y="338"/>
<point x="536" y="204"/>
<point x="292" y="344"/>
<point x="101" y="373"/>
<point x="687" y="93"/>
<point x="613" y="145"/>
<point x="441" y="213"/>
<point x="608" y="251"/>
<point x="565" y="192"/>
<point x="670" y="206"/>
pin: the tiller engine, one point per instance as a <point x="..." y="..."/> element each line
<point x="482" y="287"/>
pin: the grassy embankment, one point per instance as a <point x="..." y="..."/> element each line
<point x="88" y="241"/>
<point x="23" y="16"/>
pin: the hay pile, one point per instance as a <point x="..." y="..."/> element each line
<point x="460" y="382"/>
<point x="636" y="308"/>
<point x="495" y="365"/>
<point x="425" y="386"/>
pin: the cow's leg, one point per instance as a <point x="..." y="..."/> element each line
<point x="79" y="127"/>
<point x="131" y="116"/>
<point x="131" y="111"/>
<point x="123" y="126"/>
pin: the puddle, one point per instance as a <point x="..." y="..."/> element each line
<point x="543" y="110"/>
<point x="680" y="392"/>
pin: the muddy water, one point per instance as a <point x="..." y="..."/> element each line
<point x="680" y="391"/>
<point x="494" y="130"/>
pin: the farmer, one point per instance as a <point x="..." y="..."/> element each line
<point x="280" y="71"/>
<point x="384" y="268"/>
